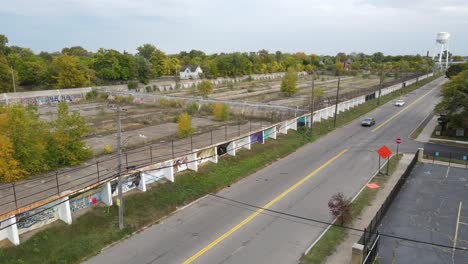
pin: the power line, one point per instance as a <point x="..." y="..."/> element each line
<point x="333" y="224"/>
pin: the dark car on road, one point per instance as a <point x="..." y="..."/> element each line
<point x="368" y="121"/>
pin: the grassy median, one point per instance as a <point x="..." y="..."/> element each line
<point x="97" y="228"/>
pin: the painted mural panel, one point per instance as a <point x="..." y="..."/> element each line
<point x="222" y="149"/>
<point x="180" y="164"/>
<point x="205" y="155"/>
<point x="269" y="132"/>
<point x="36" y="218"/>
<point x="153" y="175"/>
<point x="301" y="121"/>
<point x="128" y="183"/>
<point x="85" y="200"/>
<point x="257" y="137"/>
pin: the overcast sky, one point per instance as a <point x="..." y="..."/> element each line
<point x="313" y="26"/>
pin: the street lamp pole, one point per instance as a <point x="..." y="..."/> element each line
<point x="119" y="148"/>
<point x="336" y="101"/>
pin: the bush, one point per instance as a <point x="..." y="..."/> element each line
<point x="92" y="95"/>
<point x="288" y="84"/>
<point x="148" y="89"/>
<point x="184" y="125"/>
<point x="220" y="112"/>
<point x="192" y="108"/>
<point x="103" y="96"/>
<point x="132" y="85"/>
<point x="340" y="207"/>
<point x="107" y="149"/>
<point x="204" y="88"/>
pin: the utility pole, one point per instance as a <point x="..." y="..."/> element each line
<point x="312" y="104"/>
<point x="380" y="87"/>
<point x="119" y="148"/>
<point x="336" y="101"/>
<point x="13" y="78"/>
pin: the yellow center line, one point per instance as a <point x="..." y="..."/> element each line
<point x="401" y="111"/>
<point x="456" y="231"/>
<point x="259" y="211"/>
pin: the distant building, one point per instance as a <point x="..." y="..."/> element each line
<point x="190" y="72"/>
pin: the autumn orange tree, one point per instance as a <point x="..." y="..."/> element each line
<point x="9" y="167"/>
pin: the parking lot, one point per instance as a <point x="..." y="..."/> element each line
<point x="432" y="207"/>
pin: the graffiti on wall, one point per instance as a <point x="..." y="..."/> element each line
<point x="55" y="99"/>
<point x="269" y="132"/>
<point x="257" y="137"/>
<point x="205" y="155"/>
<point x="222" y="149"/>
<point x="128" y="183"/>
<point x="84" y="200"/>
<point x="36" y="218"/>
<point x="180" y="164"/>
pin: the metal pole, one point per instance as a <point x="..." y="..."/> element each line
<point x="172" y="144"/>
<point x="56" y="180"/>
<point x="211" y="133"/>
<point x="250" y="125"/>
<point x="97" y="169"/>
<point x="388" y="163"/>
<point x="225" y="132"/>
<point x="380" y="88"/>
<point x="191" y="142"/>
<point x="119" y="148"/>
<point x="151" y="153"/>
<point x="312" y="104"/>
<point x="379" y="164"/>
<point x="397" y="149"/>
<point x="13" y="78"/>
<point x="336" y="102"/>
<point x="238" y="128"/>
<point x="450" y="158"/>
<point x="14" y="193"/>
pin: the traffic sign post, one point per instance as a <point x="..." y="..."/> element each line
<point x="398" y="142"/>
<point x="384" y="153"/>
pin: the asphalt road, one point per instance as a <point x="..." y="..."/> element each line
<point x="214" y="230"/>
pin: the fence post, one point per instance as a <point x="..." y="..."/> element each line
<point x="211" y="133"/>
<point x="14" y="194"/>
<point x="172" y="144"/>
<point x="56" y="179"/>
<point x="97" y="170"/>
<point x="151" y="154"/>
<point x="238" y="129"/>
<point x="126" y="161"/>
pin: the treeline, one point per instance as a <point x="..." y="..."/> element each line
<point x="29" y="146"/>
<point x="77" y="67"/>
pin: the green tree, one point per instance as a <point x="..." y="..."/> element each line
<point x="204" y="88"/>
<point x="146" y="51"/>
<point x="288" y="84"/>
<point x="455" y="101"/>
<point x="144" y="69"/>
<point x="26" y="133"/>
<point x="455" y="69"/>
<point x="6" y="81"/>
<point x="220" y="112"/>
<point x="184" y="125"/>
<point x="158" y="59"/>
<point x="69" y="73"/>
<point x="65" y="143"/>
<point x="3" y="42"/>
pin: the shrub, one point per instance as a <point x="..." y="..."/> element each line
<point x="107" y="149"/>
<point x="204" y="88"/>
<point x="288" y="84"/>
<point x="192" y="108"/>
<point x="220" y="112"/>
<point x="104" y="96"/>
<point x="184" y="125"/>
<point x="340" y="207"/>
<point x="132" y="85"/>
<point x="92" y="95"/>
<point x="168" y="103"/>
<point x="148" y="89"/>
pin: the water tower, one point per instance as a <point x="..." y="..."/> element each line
<point x="442" y="41"/>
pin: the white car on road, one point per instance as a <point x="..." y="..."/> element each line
<point x="399" y="103"/>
